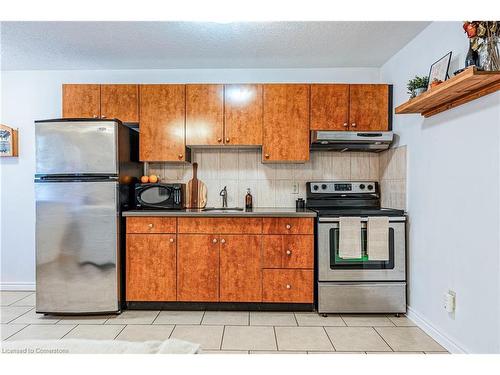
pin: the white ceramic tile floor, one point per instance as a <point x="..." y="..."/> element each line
<point x="226" y="332"/>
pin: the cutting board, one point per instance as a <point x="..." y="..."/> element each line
<point x="196" y="191"/>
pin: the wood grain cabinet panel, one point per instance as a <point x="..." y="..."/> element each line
<point x="288" y="225"/>
<point x="288" y="251"/>
<point x="121" y="102"/>
<point x="288" y="286"/>
<point x="369" y="107"/>
<point x="240" y="268"/>
<point x="198" y="268"/>
<point x="204" y="114"/>
<point x="329" y="107"/>
<point x="162" y="114"/>
<point x="151" y="267"/>
<point x="151" y="224"/>
<point x="220" y="225"/>
<point x="81" y="101"/>
<point x="243" y="115"/>
<point x="286" y="123"/>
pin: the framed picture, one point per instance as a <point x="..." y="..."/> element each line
<point x="439" y="70"/>
<point x="8" y="141"/>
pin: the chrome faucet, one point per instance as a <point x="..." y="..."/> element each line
<point x="223" y="194"/>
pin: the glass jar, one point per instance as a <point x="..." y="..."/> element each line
<point x="489" y="55"/>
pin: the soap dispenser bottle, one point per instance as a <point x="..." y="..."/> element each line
<point x="248" y="201"/>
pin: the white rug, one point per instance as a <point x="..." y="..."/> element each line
<point x="79" y="346"/>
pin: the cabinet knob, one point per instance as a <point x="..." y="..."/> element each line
<point x="345" y="124"/>
<point x="171" y="240"/>
<point x="151" y="225"/>
<point x="223" y="241"/>
<point x="219" y="140"/>
<point x="353" y="124"/>
<point x="266" y="156"/>
<point x="180" y="156"/>
<point x="289" y="252"/>
<point x="288" y="286"/>
<point x="95" y="116"/>
<point x="227" y="140"/>
<point x="103" y="116"/>
<point x="288" y="226"/>
<point x="214" y="240"/>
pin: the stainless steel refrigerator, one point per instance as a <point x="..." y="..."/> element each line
<point x="85" y="169"/>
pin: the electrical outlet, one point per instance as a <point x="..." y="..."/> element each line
<point x="295" y="188"/>
<point x="449" y="301"/>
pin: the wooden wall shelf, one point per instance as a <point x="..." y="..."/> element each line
<point x="469" y="85"/>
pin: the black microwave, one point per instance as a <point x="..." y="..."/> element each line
<point x="159" y="196"/>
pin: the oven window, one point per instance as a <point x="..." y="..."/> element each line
<point x="359" y="263"/>
<point x="154" y="195"/>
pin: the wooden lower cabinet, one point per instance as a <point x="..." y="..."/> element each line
<point x="198" y="268"/>
<point x="151" y="267"/>
<point x="285" y="251"/>
<point x="240" y="268"/>
<point x="288" y="285"/>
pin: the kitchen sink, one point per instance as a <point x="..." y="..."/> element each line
<point x="223" y="209"/>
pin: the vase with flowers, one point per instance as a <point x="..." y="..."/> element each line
<point x="484" y="40"/>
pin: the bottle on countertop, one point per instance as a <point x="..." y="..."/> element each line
<point x="248" y="201"/>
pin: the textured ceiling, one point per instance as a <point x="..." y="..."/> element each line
<point x="163" y="45"/>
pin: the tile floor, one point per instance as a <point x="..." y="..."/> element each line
<point x="224" y="332"/>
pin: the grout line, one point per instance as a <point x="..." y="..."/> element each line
<point x="378" y="333"/>
<point x="67" y="333"/>
<point x="202" y="317"/>
<point x="343" y="320"/>
<point x="172" y="331"/>
<point x="296" y="321"/>
<point x="121" y="330"/>
<point x="156" y="317"/>
<point x="17" y="317"/>
<point x="222" y="338"/>
<point x="276" y="338"/>
<point x="329" y="338"/>
<point x="27" y="325"/>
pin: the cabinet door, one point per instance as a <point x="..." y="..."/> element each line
<point x="81" y="101"/>
<point x="163" y="115"/>
<point x="329" y="107"/>
<point x="204" y="114"/>
<point x="288" y="251"/>
<point x="286" y="123"/>
<point x="151" y="267"/>
<point x="198" y="268"/>
<point x="121" y="102"/>
<point x="240" y="268"/>
<point x="369" y="108"/>
<point x="243" y="115"/>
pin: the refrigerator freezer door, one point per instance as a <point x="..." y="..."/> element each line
<point x="77" y="247"/>
<point x="76" y="147"/>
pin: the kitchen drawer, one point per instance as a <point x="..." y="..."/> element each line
<point x="288" y="251"/>
<point x="151" y="224"/>
<point x="381" y="297"/>
<point x="285" y="285"/>
<point x="218" y="225"/>
<point x="288" y="225"/>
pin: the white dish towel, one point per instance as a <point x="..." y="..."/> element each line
<point x="350" y="237"/>
<point x="378" y="238"/>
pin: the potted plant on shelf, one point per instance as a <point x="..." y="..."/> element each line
<point x="417" y="86"/>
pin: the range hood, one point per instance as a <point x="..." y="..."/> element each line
<point x="327" y="140"/>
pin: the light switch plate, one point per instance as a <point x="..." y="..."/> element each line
<point x="295" y="188"/>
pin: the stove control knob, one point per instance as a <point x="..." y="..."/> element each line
<point x="362" y="186"/>
<point x="323" y="186"/>
<point x="315" y="187"/>
<point x="370" y="187"/>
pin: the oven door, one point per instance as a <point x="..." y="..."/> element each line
<point x="333" y="268"/>
<point x="154" y="196"/>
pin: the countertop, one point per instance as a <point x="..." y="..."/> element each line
<point x="260" y="212"/>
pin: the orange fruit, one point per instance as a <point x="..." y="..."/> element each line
<point x="153" y="179"/>
<point x="144" y="179"/>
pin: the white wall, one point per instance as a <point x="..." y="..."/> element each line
<point x="453" y="200"/>
<point x="32" y="95"/>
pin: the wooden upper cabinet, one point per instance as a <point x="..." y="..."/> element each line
<point x="162" y="113"/>
<point x="204" y="114"/>
<point x="243" y="115"/>
<point x="329" y="107"/>
<point x="121" y="102"/>
<point x="151" y="267"/>
<point x="286" y="123"/>
<point x="198" y="268"/>
<point x="240" y="268"/>
<point x="369" y="107"/>
<point x="81" y="101"/>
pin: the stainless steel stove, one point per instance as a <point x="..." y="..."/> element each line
<point x="357" y="285"/>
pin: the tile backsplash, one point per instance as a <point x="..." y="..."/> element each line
<point x="392" y="177"/>
<point x="272" y="185"/>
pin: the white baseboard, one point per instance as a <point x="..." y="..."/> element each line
<point x="30" y="287"/>
<point x="433" y="332"/>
